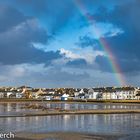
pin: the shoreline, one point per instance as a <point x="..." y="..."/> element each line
<point x="49" y="112"/>
<point x="67" y="136"/>
<point x="5" y="100"/>
<point x="74" y="112"/>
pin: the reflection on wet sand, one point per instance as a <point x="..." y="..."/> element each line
<point x="113" y="124"/>
<point x="18" y="107"/>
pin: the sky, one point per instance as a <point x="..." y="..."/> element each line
<point x="69" y="43"/>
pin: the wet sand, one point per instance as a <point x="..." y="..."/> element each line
<point x="70" y="101"/>
<point x="72" y="112"/>
<point x="65" y="136"/>
<point x="31" y="109"/>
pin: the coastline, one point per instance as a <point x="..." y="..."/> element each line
<point x="73" y="112"/>
<point x="37" y="112"/>
<point x="67" y="136"/>
<point x="4" y="100"/>
<point x="59" y="111"/>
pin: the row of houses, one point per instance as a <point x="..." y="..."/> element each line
<point x="122" y="93"/>
<point x="100" y="93"/>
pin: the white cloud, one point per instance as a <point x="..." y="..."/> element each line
<point x="69" y="54"/>
<point x="82" y="53"/>
<point x="97" y="30"/>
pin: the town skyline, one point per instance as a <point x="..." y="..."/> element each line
<point x="94" y="93"/>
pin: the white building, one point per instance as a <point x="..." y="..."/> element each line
<point x="93" y="94"/>
<point x="64" y="97"/>
<point x="126" y="93"/>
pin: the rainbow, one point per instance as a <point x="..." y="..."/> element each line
<point x="105" y="46"/>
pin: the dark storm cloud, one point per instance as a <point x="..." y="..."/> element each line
<point x="87" y="41"/>
<point x="6" y="18"/>
<point x="52" y="13"/>
<point x="103" y="63"/>
<point x="55" y="14"/>
<point x="77" y="63"/>
<point x="17" y="37"/>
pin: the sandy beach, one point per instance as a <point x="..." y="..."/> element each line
<point x="64" y="136"/>
<point x="69" y="112"/>
<point x="66" y="122"/>
<point x="39" y="109"/>
<point x="71" y="101"/>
